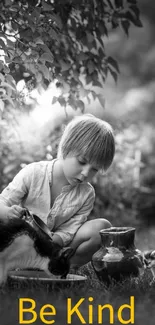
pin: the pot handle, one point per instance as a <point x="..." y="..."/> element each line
<point x="27" y="215"/>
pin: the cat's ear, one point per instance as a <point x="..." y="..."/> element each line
<point x="67" y="252"/>
<point x="149" y="254"/>
<point x="153" y="254"/>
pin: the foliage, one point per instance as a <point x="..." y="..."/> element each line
<point x="14" y="154"/>
<point x="63" y="40"/>
<point x="125" y="194"/>
<point x="10" y="151"/>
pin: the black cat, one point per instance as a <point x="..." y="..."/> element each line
<point x="21" y="246"/>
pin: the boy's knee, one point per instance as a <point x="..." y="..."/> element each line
<point x="90" y="231"/>
<point x="88" y="240"/>
<point x="102" y="223"/>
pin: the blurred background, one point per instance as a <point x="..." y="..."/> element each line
<point x="125" y="195"/>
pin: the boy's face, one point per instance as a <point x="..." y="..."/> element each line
<point x="77" y="170"/>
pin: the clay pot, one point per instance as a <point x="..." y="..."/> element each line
<point x="117" y="258"/>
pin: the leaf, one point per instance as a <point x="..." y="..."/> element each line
<point x="3" y="35"/>
<point x="44" y="70"/>
<point x="36" y="13"/>
<point x="81" y="105"/>
<point x="6" y="69"/>
<point x="46" y="57"/>
<point x="57" y="19"/>
<point x="62" y="101"/>
<point x="97" y="83"/>
<point x="2" y="92"/>
<point x="91" y="46"/>
<point x="82" y="92"/>
<point x="26" y="34"/>
<point x="103" y="28"/>
<point x="54" y="100"/>
<point x="64" y="66"/>
<point x="39" y="41"/>
<point x="104" y="75"/>
<point x="88" y="79"/>
<point x="94" y="76"/>
<point x="73" y="23"/>
<point x="5" y="84"/>
<point x="14" y="8"/>
<point x="32" y="26"/>
<point x="8" y="3"/>
<point x="46" y="49"/>
<point x="132" y="1"/>
<point x="90" y="66"/>
<point x="32" y="44"/>
<point x="2" y="77"/>
<point x="113" y="63"/>
<point x="66" y="88"/>
<point x="101" y="41"/>
<point x="53" y="34"/>
<point x="2" y="45"/>
<point x="125" y="25"/>
<point x="47" y="7"/>
<point x="9" y="99"/>
<point x="10" y="79"/>
<point x="82" y="56"/>
<point x="14" y="26"/>
<point x="136" y="21"/>
<point x="10" y="44"/>
<point x="1" y="65"/>
<point x="72" y="102"/>
<point x="90" y="37"/>
<point x="9" y="168"/>
<point x="113" y="73"/>
<point x="114" y="22"/>
<point x="101" y="53"/>
<point x="8" y="59"/>
<point x="135" y="10"/>
<point x="101" y="100"/>
<point x="39" y="77"/>
<point x="94" y="94"/>
<point x="1" y="105"/>
<point x="118" y="3"/>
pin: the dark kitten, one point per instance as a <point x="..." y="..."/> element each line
<point x="21" y="246"/>
<point x="149" y="257"/>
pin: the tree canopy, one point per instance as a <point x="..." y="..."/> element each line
<point x="63" y="40"/>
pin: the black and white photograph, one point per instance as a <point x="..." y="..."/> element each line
<point x="77" y="162"/>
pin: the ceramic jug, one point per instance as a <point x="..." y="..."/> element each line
<point x="117" y="258"/>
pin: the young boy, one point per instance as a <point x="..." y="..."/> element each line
<point x="59" y="191"/>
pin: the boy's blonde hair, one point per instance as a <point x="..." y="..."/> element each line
<point x="89" y="137"/>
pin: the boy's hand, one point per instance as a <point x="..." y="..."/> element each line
<point x="15" y="211"/>
<point x="57" y="239"/>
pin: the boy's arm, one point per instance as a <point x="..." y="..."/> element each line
<point x="11" y="197"/>
<point x="4" y="210"/>
<point x="57" y="239"/>
<point x="9" y="212"/>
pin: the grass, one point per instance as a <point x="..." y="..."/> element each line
<point x="115" y="295"/>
